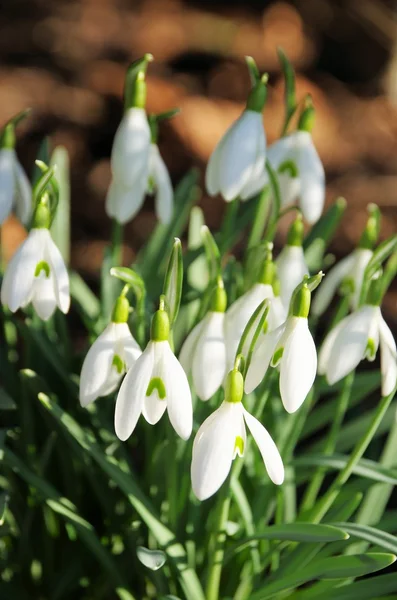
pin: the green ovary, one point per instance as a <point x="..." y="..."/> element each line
<point x="156" y="384"/>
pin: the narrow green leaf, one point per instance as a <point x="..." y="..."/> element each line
<point x="365" y="468"/>
<point x="276" y="202"/>
<point x="316" y="242"/>
<point x="84" y="296"/>
<point x="152" y="559"/>
<point x="212" y="253"/>
<point x="60" y="228"/>
<point x="371" y="534"/>
<point x="197" y="274"/>
<point x="289" y="93"/>
<point x="128" y="276"/>
<point x="173" y="281"/>
<point x="253" y="70"/>
<point x="4" y="498"/>
<point x="6" y="402"/>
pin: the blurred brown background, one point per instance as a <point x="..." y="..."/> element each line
<point x="67" y="60"/>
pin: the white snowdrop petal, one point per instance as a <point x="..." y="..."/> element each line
<point x="179" y="399"/>
<point x="97" y="365"/>
<point x="127" y="346"/>
<point x="261" y="358"/>
<point x="130" y="151"/>
<point x="332" y="280"/>
<point x="60" y="273"/>
<point x="268" y="449"/>
<point x="291" y="268"/>
<point x="312" y="177"/>
<point x="281" y="150"/>
<point x="350" y="344"/>
<point x="132" y="394"/>
<point x="164" y="195"/>
<point x="258" y="177"/>
<point x="212" y="177"/>
<point x="388" y="358"/>
<point x="23" y="194"/>
<point x="43" y="298"/>
<point x="239" y="153"/>
<point x="362" y="258"/>
<point x="189" y="345"/>
<point x="277" y="313"/>
<point x="18" y="279"/>
<point x="213" y="449"/>
<point x="290" y="188"/>
<point x="155" y="402"/>
<point x="209" y="359"/>
<point x="326" y="348"/>
<point x="7" y="182"/>
<point x="123" y="203"/>
<point x="298" y="365"/>
<point x="153" y="408"/>
<point x="254" y="186"/>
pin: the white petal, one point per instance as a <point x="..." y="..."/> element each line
<point x="18" y="279"/>
<point x="277" y="313"/>
<point x="60" y="272"/>
<point x="7" y="182"/>
<point x="332" y="280"/>
<point x="282" y="150"/>
<point x="97" y="366"/>
<point x="132" y="394"/>
<point x="23" y="194"/>
<point x="212" y="174"/>
<point x="254" y="186"/>
<point x="240" y="153"/>
<point x="189" y="345"/>
<point x="179" y="399"/>
<point x="362" y="258"/>
<point x="261" y="358"/>
<point x="155" y="403"/>
<point x="289" y="189"/>
<point x="164" y="195"/>
<point x="298" y="365"/>
<point x="350" y="344"/>
<point x="43" y="298"/>
<point x="388" y="358"/>
<point x="127" y="346"/>
<point x="213" y="449"/>
<point x="291" y="268"/>
<point x="130" y="151"/>
<point x="312" y="177"/>
<point x="327" y="346"/>
<point x="268" y="449"/>
<point x="258" y="178"/>
<point x="123" y="203"/>
<point x="209" y="358"/>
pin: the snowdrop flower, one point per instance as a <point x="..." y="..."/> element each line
<point x="291" y="347"/>
<point x="222" y="437"/>
<point x="291" y="264"/>
<point x="130" y="166"/>
<point x="15" y="189"/>
<point x="356" y="337"/>
<point x="159" y="184"/>
<point x="236" y="167"/>
<point x="300" y="169"/>
<point x="204" y="351"/>
<point x="111" y="355"/>
<point x="37" y="274"/>
<point x="155" y="383"/>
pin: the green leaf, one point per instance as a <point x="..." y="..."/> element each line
<point x="382" y="252"/>
<point x="173" y="280"/>
<point x="335" y="567"/>
<point x="212" y="253"/>
<point x="276" y="204"/>
<point x="6" y="402"/>
<point x="60" y="228"/>
<point x="152" y="559"/>
<point x="4" y="498"/>
<point x="289" y="94"/>
<point x="253" y="70"/>
<point x="321" y="234"/>
<point x="128" y="276"/>
<point x="368" y="589"/>
<point x="84" y="297"/>
<point x="197" y="274"/>
<point x="371" y="535"/>
<point x="365" y="468"/>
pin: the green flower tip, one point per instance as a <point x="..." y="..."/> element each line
<point x="160" y="329"/>
<point x="307" y="116"/>
<point x="370" y="235"/>
<point x="296" y="231"/>
<point x="135" y="84"/>
<point x="300" y="302"/>
<point x="257" y="96"/>
<point x="8" y="139"/>
<point x="121" y="310"/>
<point x="268" y="269"/>
<point x="219" y="298"/>
<point x="42" y="214"/>
<point x="234" y="388"/>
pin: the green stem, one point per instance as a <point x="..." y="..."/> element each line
<point x="228" y="224"/>
<point x="325" y="503"/>
<point x="259" y="221"/>
<point x="117" y="243"/>
<point x="313" y="489"/>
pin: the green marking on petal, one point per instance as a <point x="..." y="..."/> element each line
<point x="239" y="446"/>
<point x="370" y="351"/>
<point x="118" y="363"/>
<point x="42" y="266"/>
<point x="265" y="327"/>
<point x="156" y="384"/>
<point x="289" y="168"/>
<point x="277" y="356"/>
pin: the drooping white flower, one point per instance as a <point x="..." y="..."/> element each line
<point x="130" y="166"/>
<point x="291" y="268"/>
<point x="15" y="189"/>
<point x="351" y="267"/>
<point x="37" y="274"/>
<point x="301" y="171"/>
<point x="356" y="337"/>
<point x="204" y="355"/>
<point x="156" y="382"/>
<point x="222" y="437"/>
<point x="159" y="183"/>
<point x="111" y="355"/>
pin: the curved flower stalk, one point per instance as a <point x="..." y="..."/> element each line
<point x="15" y="189"/>
<point x="37" y="273"/>
<point x="236" y="167"/>
<point x="291" y="263"/>
<point x="300" y="169"/>
<point x="204" y="351"/>
<point x="156" y="382"/>
<point x="291" y="348"/>
<point x="222" y="437"/>
<point x="356" y="337"/>
<point x="111" y="355"/>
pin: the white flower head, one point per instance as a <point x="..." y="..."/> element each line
<point x="236" y="167"/>
<point x="159" y="183"/>
<point x="37" y="274"/>
<point x="222" y="437"/>
<point x="130" y="166"/>
<point x="111" y="355"/>
<point x="356" y="337"/>
<point x="156" y="382"/>
<point x="291" y="263"/>
<point x="295" y="158"/>
<point x="15" y="189"/>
